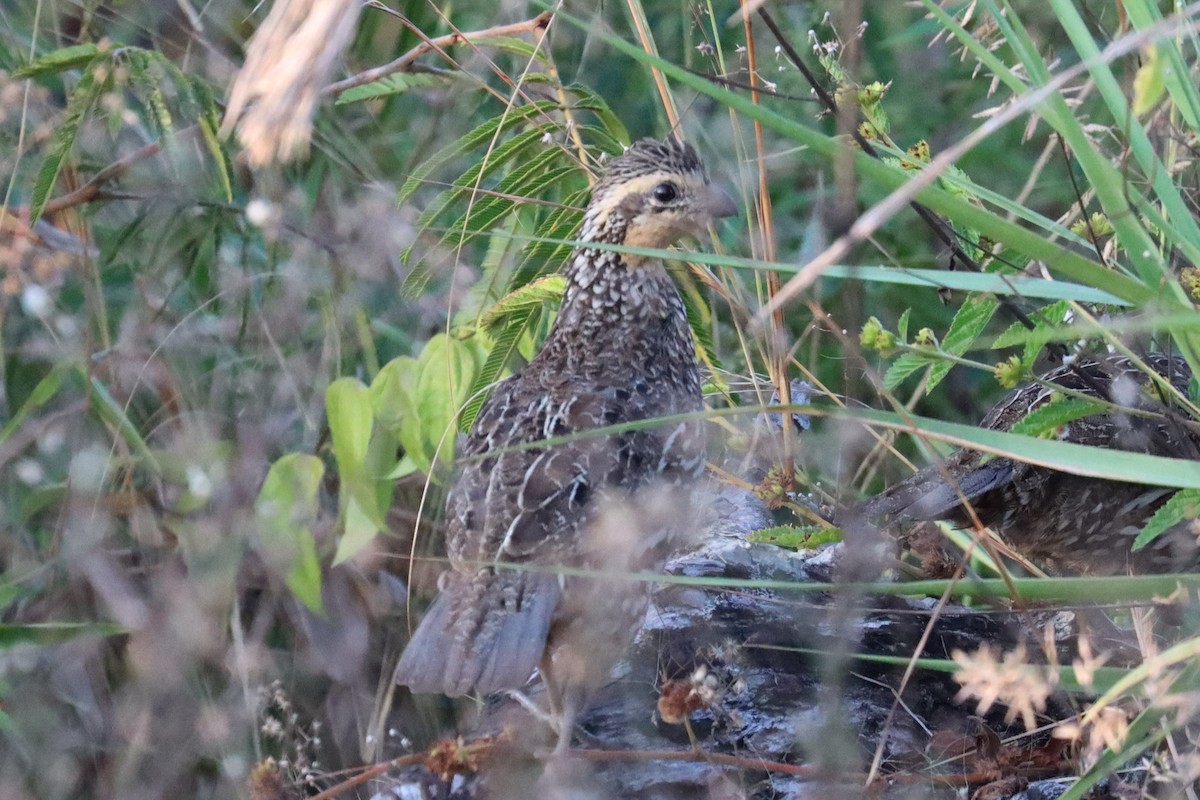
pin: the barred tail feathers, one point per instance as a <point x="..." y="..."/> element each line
<point x="485" y="632"/>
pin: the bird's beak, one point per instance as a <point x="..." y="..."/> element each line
<point x="719" y="204"/>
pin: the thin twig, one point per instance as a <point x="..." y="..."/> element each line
<point x="405" y="62"/>
<point x="480" y="750"/>
<point x="91" y="190"/>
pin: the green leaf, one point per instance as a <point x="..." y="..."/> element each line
<point x="593" y="102"/>
<point x="390" y="85"/>
<point x="1076" y="459"/>
<point x="286" y="509"/>
<point x="796" y="538"/>
<point x="1183" y="505"/>
<point x="485" y="210"/>
<point x="1149" y="83"/>
<point x="347" y="404"/>
<point x="146" y="80"/>
<point x="518" y="47"/>
<point x="393" y="398"/>
<point x="479" y="172"/>
<point x="504" y="344"/>
<point x="114" y="414"/>
<point x="445" y="375"/>
<point x="968" y="323"/>
<point x="59" y="61"/>
<point x="532" y="296"/>
<point x="906" y="365"/>
<point x="357" y="534"/>
<point x="477" y="136"/>
<point x="902" y="325"/>
<point x="208" y="129"/>
<point x="1059" y="411"/>
<point x="43" y="393"/>
<point x="47" y="633"/>
<point x="351" y="418"/>
<point x="1045" y="330"/>
<point x="81" y="101"/>
<point x="549" y="248"/>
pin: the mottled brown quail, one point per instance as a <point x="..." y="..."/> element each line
<point x="620" y="351"/>
<point x="1067" y="523"/>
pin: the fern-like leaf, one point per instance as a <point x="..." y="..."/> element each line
<point x="80" y="103"/>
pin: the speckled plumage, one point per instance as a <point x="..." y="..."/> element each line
<point x="620" y="351"/>
<point x="1068" y="523"/>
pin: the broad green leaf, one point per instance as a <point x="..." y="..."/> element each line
<point x="286" y="509"/>
<point x="360" y="530"/>
<point x="446" y="374"/>
<point x="348" y="407"/>
<point x="1183" y="505"/>
<point x="1149" y="82"/>
<point x="404" y="467"/>
<point x="393" y="398"/>
<point x="351" y="418"/>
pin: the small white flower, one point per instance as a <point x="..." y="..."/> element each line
<point x="198" y="482"/>
<point x="29" y="472"/>
<point x="259" y="212"/>
<point x="35" y="300"/>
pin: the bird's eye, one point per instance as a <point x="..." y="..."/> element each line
<point x="665" y="192"/>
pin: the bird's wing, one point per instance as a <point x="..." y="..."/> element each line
<point x="938" y="491"/>
<point x="517" y="500"/>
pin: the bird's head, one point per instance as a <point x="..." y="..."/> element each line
<point x="653" y="194"/>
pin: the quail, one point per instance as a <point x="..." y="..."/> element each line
<point x="522" y="508"/>
<point x="1070" y="524"/>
